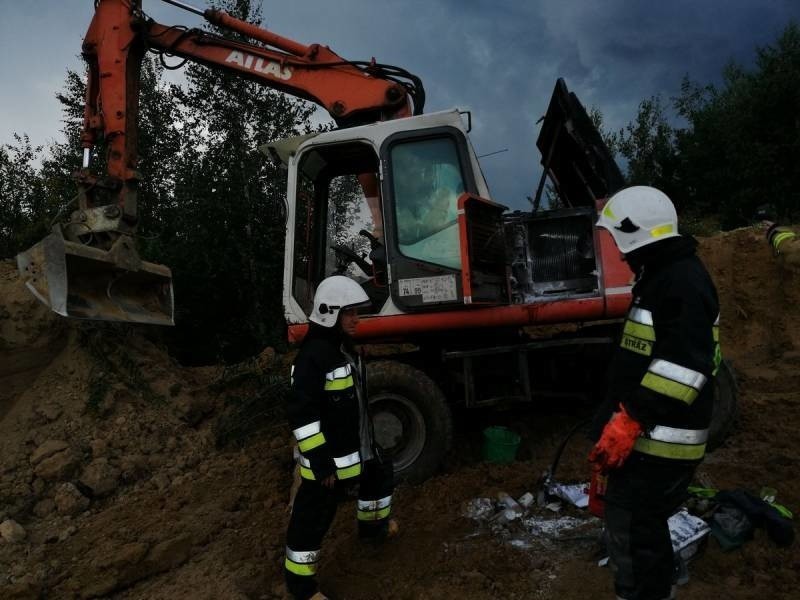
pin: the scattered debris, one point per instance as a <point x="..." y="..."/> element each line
<point x="553" y="528"/>
<point x="478" y="509"/>
<point x="524" y="525"/>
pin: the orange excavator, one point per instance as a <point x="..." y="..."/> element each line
<point x="393" y="198"/>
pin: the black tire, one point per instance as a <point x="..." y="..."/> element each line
<point x="726" y="395"/>
<point x="411" y="418"/>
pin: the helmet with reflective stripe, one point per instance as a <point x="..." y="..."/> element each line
<point x="334" y="294"/>
<point x="638" y="216"/>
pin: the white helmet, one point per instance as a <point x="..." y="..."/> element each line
<point x="638" y="216"/>
<point x="334" y="294"/>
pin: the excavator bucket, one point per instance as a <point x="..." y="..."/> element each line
<point x="83" y="282"/>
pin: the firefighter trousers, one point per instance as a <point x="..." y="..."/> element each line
<point x="640" y="497"/>
<point x="313" y="512"/>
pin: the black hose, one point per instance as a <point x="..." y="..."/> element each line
<point x="551" y="471"/>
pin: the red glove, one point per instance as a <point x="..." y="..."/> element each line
<point x="616" y="442"/>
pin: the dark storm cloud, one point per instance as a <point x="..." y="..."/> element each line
<point x="612" y="54"/>
<point x="498" y="59"/>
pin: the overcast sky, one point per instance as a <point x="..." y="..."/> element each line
<point x="497" y="58"/>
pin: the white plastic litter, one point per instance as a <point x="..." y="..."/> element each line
<point x="686" y="531"/>
<point x="576" y="494"/>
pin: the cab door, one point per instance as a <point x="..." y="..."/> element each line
<point x="427" y="176"/>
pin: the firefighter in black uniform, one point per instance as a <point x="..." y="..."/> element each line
<point x="654" y="424"/>
<point x="327" y="412"/>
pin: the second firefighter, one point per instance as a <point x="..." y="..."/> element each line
<point x="327" y="412"/>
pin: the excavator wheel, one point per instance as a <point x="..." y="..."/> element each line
<point x="411" y="419"/>
<point x="726" y="394"/>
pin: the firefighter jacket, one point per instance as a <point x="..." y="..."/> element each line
<point x="669" y="352"/>
<point x="326" y="410"/>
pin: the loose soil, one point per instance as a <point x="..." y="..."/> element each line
<point x="178" y="498"/>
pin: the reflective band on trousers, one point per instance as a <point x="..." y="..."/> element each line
<point x="346" y="466"/>
<point x="301" y="563"/>
<point x="673" y="380"/>
<point x="374" y="504"/>
<point x="374" y="510"/>
<point x="374" y="515"/>
<point x="672" y="442"/>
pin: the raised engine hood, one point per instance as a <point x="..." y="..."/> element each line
<point x="574" y="155"/>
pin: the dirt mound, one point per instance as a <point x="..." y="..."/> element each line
<point x="760" y="310"/>
<point x="108" y="462"/>
<point x="99" y="432"/>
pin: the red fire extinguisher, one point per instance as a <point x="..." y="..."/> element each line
<point x="597" y="492"/>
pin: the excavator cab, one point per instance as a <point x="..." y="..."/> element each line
<point x="402" y="204"/>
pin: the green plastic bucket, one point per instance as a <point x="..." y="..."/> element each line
<point x="500" y="445"/>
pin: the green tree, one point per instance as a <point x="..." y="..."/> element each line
<point x="610" y="138"/>
<point x="742" y="146"/>
<point x="227" y="218"/>
<point x="22" y="197"/>
<point x="648" y="144"/>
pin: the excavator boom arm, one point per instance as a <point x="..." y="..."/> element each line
<point x="353" y="93"/>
